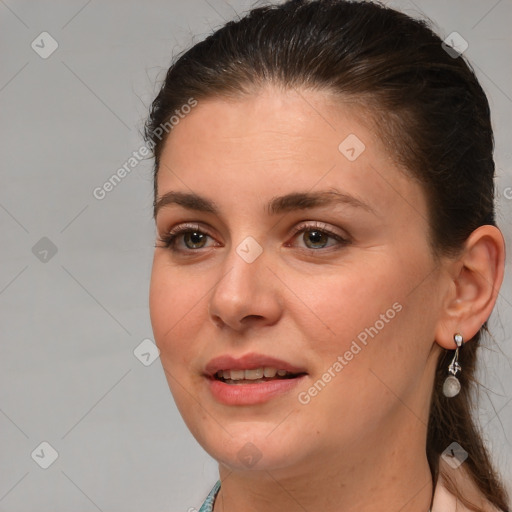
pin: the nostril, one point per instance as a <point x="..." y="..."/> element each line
<point x="217" y="320"/>
<point x="249" y="318"/>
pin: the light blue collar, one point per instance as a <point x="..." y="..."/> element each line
<point x="207" y="506"/>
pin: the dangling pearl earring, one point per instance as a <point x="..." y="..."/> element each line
<point x="451" y="386"/>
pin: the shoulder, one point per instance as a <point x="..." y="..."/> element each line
<point x="446" y="501"/>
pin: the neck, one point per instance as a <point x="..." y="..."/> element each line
<point x="391" y="475"/>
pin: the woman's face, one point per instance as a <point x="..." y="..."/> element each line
<point x="299" y="244"/>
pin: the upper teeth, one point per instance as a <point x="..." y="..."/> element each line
<point x="257" y="373"/>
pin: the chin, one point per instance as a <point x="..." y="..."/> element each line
<point x="253" y="449"/>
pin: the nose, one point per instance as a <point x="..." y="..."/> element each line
<point x="246" y="295"/>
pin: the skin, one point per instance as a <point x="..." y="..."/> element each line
<point x="361" y="440"/>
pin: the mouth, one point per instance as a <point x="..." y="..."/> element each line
<point x="251" y="369"/>
<point x="252" y="379"/>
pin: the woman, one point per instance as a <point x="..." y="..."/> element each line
<point x="327" y="259"/>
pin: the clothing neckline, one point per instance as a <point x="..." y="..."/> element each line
<point x="207" y="506"/>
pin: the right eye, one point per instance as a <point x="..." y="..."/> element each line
<point x="184" y="238"/>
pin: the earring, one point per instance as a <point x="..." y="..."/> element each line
<point x="451" y="386"/>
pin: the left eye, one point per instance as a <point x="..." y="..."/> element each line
<point x="315" y="237"/>
<point x="194" y="239"/>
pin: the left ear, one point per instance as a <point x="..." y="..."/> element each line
<point x="476" y="280"/>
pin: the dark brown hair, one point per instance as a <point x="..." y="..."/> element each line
<point x="431" y="113"/>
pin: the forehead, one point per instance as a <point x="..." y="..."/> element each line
<point x="277" y="141"/>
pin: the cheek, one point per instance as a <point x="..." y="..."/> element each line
<point x="378" y="318"/>
<point x="371" y="314"/>
<point x="174" y="303"/>
<point x="353" y="298"/>
<point x="175" y="300"/>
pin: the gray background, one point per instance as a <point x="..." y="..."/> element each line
<point x="70" y="321"/>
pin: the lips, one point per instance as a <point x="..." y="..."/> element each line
<point x="249" y="362"/>
<point x="230" y="388"/>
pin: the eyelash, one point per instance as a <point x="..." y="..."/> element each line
<point x="169" y="239"/>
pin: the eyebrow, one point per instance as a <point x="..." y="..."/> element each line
<point x="277" y="205"/>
